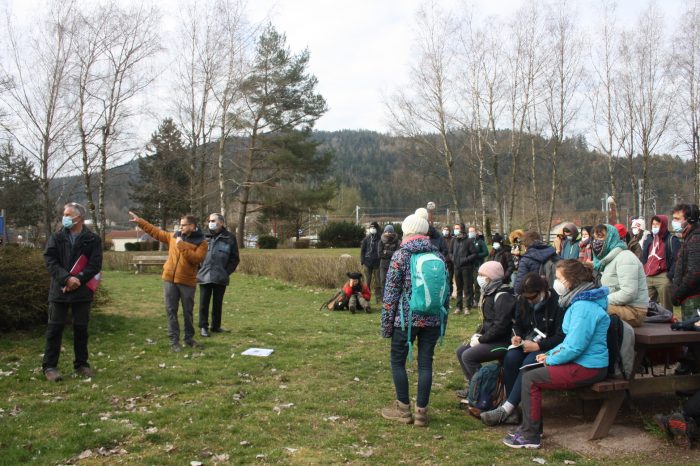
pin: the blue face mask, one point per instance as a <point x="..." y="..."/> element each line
<point x="67" y="222"/>
<point x="472" y="234"/>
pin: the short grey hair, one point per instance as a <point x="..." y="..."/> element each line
<point x="218" y="216"/>
<point x="77" y="208"/>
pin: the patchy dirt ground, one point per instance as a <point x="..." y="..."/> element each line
<point x="567" y="421"/>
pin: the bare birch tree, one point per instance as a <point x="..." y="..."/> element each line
<point x="562" y="81"/>
<point x="687" y="60"/>
<point x="41" y="114"/>
<point x="424" y="113"/>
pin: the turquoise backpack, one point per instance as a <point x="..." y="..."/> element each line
<point x="429" y="290"/>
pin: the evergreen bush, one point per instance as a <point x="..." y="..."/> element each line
<point x="267" y="242"/>
<point x="342" y="235"/>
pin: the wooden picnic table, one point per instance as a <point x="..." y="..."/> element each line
<point x="648" y="336"/>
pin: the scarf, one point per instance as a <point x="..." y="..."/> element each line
<point x="489" y="289"/>
<point x="612" y="241"/>
<point x="565" y="300"/>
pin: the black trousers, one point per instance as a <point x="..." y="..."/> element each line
<point x="58" y="313"/>
<point x="206" y="292"/>
<point x="464" y="277"/>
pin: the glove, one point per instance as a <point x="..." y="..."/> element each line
<point x="475" y="340"/>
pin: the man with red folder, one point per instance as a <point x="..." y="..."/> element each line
<point x="73" y="257"/>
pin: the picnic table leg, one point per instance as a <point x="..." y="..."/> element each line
<point x="606" y="415"/>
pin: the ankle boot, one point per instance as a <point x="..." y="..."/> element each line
<point x="398" y="412"/>
<point x="421" y="417"/>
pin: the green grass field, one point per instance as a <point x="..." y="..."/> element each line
<point x="316" y="400"/>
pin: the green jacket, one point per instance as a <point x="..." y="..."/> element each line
<point x="624" y="274"/>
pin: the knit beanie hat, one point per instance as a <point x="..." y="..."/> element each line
<point x="414" y="225"/>
<point x="375" y="225"/>
<point x="497" y="238"/>
<point x="621" y="230"/>
<point x="422" y="212"/>
<point x="639" y="223"/>
<point x="492" y="269"/>
<point x="389" y="228"/>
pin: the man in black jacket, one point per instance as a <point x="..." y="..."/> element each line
<point x="686" y="281"/>
<point x="221" y="261"/>
<point x="464" y="257"/>
<point x="71" y="287"/>
<point x="369" y="258"/>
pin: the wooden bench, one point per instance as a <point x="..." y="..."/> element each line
<point x="139" y="262"/>
<point x="612" y="392"/>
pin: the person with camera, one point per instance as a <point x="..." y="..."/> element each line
<point x="536" y="329"/>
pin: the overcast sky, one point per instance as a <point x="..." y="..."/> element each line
<point x="360" y="49"/>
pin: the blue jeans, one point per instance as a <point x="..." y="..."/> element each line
<point x="427" y="339"/>
<point x="512" y="375"/>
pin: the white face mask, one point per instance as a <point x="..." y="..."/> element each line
<point x="212" y="226"/>
<point x="482" y="281"/>
<point x="497" y="246"/>
<point x="655" y="230"/>
<point x="559" y="287"/>
<point x="456" y="232"/>
<point x="472" y="234"/>
<point x="677" y="226"/>
<point x="372" y="231"/>
<point x="445" y="232"/>
<point x="635" y="231"/>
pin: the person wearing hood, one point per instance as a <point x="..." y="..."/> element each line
<point x="186" y="250"/>
<point x="501" y="253"/>
<point x="70" y="289"/>
<point x="464" y="257"/>
<point x="659" y="253"/>
<point x="581" y="359"/>
<point x="622" y="273"/>
<point x="213" y="277"/>
<point x="686" y="280"/>
<point x="388" y="246"/>
<point x="515" y="239"/>
<point x="424" y="328"/>
<point x="585" y="254"/>
<point x="537" y="252"/>
<point x="369" y="258"/>
<point x="637" y="237"/>
<point x="570" y="243"/>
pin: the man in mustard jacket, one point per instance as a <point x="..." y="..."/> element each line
<point x="186" y="250"/>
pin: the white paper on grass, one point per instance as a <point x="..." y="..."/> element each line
<point x="264" y="352"/>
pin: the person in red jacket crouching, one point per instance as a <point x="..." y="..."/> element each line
<point x="357" y="294"/>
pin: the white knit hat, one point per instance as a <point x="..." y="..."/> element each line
<point x="414" y="225"/>
<point x="639" y="223"/>
<point x="422" y="212"/>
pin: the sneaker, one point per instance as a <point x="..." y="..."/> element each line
<point x="519" y="441"/>
<point x="203" y="332"/>
<point x="52" y="375"/>
<point x="516" y="431"/>
<point x="192" y="344"/>
<point x="398" y="412"/>
<point x="495" y="416"/>
<point x="219" y="330"/>
<point x="464" y="394"/>
<point x="457" y="311"/>
<point x="84" y="371"/>
<point x="175" y="348"/>
<point x="467" y="312"/>
<point x="678" y="427"/>
<point x="515" y="418"/>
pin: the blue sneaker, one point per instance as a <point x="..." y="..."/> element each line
<point x="519" y="441"/>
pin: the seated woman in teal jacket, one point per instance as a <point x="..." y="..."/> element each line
<point x="580" y="360"/>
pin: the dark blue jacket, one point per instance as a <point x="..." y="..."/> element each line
<point x="221" y="260"/>
<point x="537" y="254"/>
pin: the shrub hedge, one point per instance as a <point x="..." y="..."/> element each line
<point x="341" y="235"/>
<point x="267" y="242"/>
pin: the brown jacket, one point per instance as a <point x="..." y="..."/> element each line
<point x="183" y="257"/>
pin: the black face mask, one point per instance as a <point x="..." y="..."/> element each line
<point x="597" y="246"/>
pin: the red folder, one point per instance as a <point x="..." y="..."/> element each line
<point x="79" y="266"/>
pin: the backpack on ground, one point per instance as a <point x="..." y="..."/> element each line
<point x="335" y="303"/>
<point x="486" y="389"/>
<point x="620" y="348"/>
<point x="429" y="292"/>
<point x="548" y="269"/>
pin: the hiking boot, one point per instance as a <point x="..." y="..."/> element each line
<point x="464" y="394"/>
<point x="352" y="309"/>
<point x="421" y="417"/>
<point x="219" y="330"/>
<point x="457" y="311"/>
<point x="52" y="375"/>
<point x="192" y="344"/>
<point x="662" y="422"/>
<point x="398" y="412"/>
<point x="203" y="332"/>
<point x="517" y="440"/>
<point x="467" y="311"/>
<point x="84" y="371"/>
<point x="495" y="416"/>
<point x="367" y="309"/>
<point x="679" y="429"/>
<point x="175" y="348"/>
